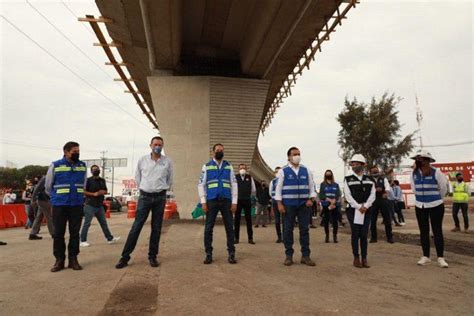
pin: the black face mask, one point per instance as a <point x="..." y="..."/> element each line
<point x="96" y="173"/>
<point x="219" y="155"/>
<point x="328" y="177"/>
<point x="460" y="179"/>
<point x="358" y="169"/>
<point x="418" y="164"/>
<point x="75" y="157"/>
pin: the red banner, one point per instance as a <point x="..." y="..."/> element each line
<point x="452" y="168"/>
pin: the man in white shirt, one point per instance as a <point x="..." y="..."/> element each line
<point x="217" y="189"/>
<point x="154" y="176"/>
<point x="295" y="196"/>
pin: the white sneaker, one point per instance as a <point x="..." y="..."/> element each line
<point x="442" y="263"/>
<point x="424" y="261"/>
<point x="113" y="240"/>
<point x="84" y="244"/>
<point x="403" y="223"/>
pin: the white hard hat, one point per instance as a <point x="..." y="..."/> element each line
<point x="358" y="158"/>
<point x="423" y="154"/>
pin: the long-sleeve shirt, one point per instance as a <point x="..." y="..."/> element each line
<point x="202" y="192"/>
<point x="39" y="190"/>
<point x="350" y="199"/>
<point x="281" y="177"/>
<point x="442" y="187"/>
<point x="154" y="176"/>
<point x="397" y="193"/>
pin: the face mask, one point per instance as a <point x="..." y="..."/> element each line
<point x="242" y="172"/>
<point x="157" y="150"/>
<point x="296" y="160"/>
<point x="375" y="174"/>
<point x="75" y="157"/>
<point x="460" y="180"/>
<point x="358" y="169"/>
<point x="96" y="173"/>
<point x="219" y="155"/>
<point x="418" y="164"/>
<point x="328" y="177"/>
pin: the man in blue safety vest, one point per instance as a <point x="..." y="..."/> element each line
<point x="65" y="183"/>
<point x="217" y="190"/>
<point x="295" y="196"/>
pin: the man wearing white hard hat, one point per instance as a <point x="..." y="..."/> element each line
<point x="359" y="192"/>
<point x="430" y="187"/>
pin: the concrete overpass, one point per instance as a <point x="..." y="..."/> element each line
<point x="208" y="71"/>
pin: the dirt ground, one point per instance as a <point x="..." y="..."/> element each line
<point x="258" y="284"/>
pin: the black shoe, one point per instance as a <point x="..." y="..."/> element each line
<point x="390" y="241"/>
<point x="58" y="265"/>
<point x="35" y="237"/>
<point x="327" y="239"/>
<point x="373" y="241"/>
<point x="121" y="264"/>
<point x="251" y="242"/>
<point x="208" y="259"/>
<point x="288" y="261"/>
<point x="2" y="243"/>
<point x="279" y="241"/>
<point x="256" y="226"/>
<point x="74" y="264"/>
<point x="153" y="262"/>
<point x="231" y="259"/>
<point x="335" y="239"/>
<point x="264" y="225"/>
<point x="236" y="242"/>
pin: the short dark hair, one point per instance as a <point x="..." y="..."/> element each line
<point x="288" y="153"/>
<point x="94" y="166"/>
<point x="396" y="182"/>
<point x="458" y="174"/>
<point x="242" y="164"/>
<point x="278" y="168"/>
<point x="70" y="145"/>
<point x="157" y="137"/>
<point x="374" y="166"/>
<point x="215" y="145"/>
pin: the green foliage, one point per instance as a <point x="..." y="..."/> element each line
<point x="16" y="178"/>
<point x="373" y="130"/>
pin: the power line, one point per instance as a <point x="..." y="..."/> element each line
<point x="76" y="17"/>
<point x="71" y="70"/>
<point x="71" y="42"/>
<point x="450" y="144"/>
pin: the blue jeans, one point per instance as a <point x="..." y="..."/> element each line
<point x="359" y="233"/>
<point x="146" y="203"/>
<point x="99" y="213"/>
<point x="302" y="212"/>
<point x="214" y="206"/>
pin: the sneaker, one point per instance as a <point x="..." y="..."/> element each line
<point x="402" y="223"/>
<point x="442" y="263"/>
<point x="455" y="229"/>
<point x="423" y="261"/>
<point x="84" y="244"/>
<point x="113" y="240"/>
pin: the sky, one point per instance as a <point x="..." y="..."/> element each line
<point x="401" y="47"/>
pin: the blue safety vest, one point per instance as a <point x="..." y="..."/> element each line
<point x="295" y="190"/>
<point x="426" y="187"/>
<point x="330" y="191"/>
<point x="218" y="184"/>
<point x="68" y="183"/>
<point x="274" y="185"/>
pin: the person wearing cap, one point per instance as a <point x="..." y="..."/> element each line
<point x="461" y="196"/>
<point x="430" y="187"/>
<point x="295" y="196"/>
<point x="359" y="192"/>
<point x="278" y="221"/>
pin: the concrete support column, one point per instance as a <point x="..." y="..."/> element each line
<point x="194" y="113"/>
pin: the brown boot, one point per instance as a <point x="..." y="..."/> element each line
<point x="365" y="264"/>
<point x="288" y="261"/>
<point x="307" y="261"/>
<point x="74" y="264"/>
<point x="58" y="265"/>
<point x="357" y="263"/>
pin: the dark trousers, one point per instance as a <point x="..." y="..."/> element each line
<point x="380" y="205"/>
<point x="330" y="216"/>
<point x="291" y="213"/>
<point x="146" y="203"/>
<point x="62" y="215"/>
<point x="214" y="206"/>
<point x="89" y="213"/>
<point x="246" y="206"/>
<point x="359" y="233"/>
<point x="434" y="215"/>
<point x="399" y="212"/>
<point x="393" y="210"/>
<point x="463" y="207"/>
<point x="278" y="221"/>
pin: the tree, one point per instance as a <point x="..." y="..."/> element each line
<point x="16" y="178"/>
<point x="373" y="130"/>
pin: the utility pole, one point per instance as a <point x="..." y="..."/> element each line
<point x="102" y="158"/>
<point x="419" y="119"/>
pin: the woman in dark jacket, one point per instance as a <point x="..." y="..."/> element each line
<point x="330" y="196"/>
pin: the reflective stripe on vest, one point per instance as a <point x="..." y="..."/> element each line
<point x="218" y="182"/>
<point x="426" y="187"/>
<point x="295" y="190"/>
<point x="460" y="194"/>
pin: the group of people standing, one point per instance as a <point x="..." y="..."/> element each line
<point x="292" y="195"/>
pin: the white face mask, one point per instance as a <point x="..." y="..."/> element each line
<point x="242" y="172"/>
<point x="296" y="160"/>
